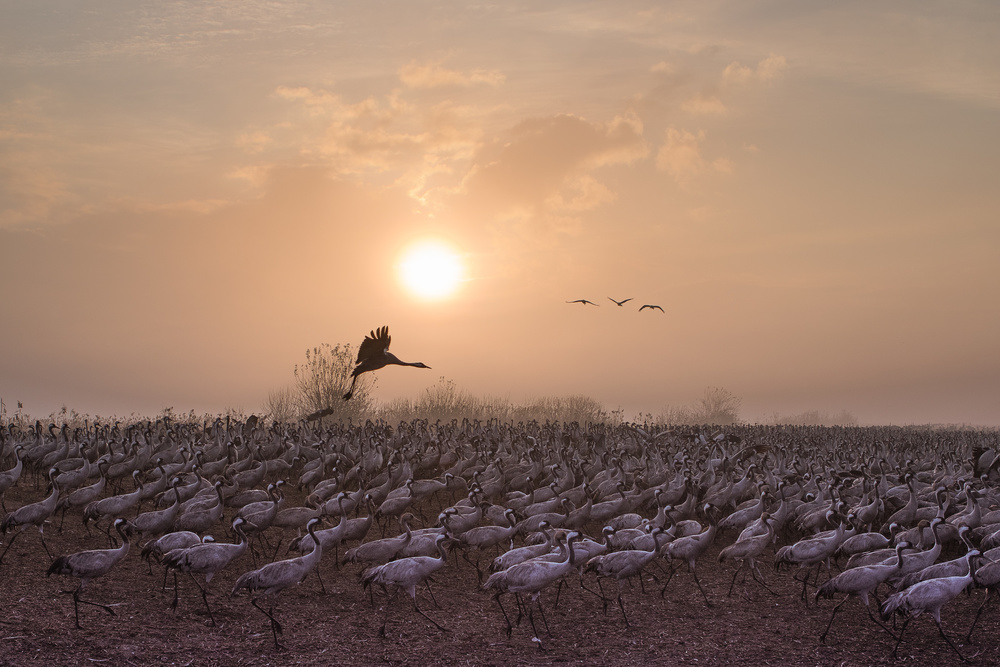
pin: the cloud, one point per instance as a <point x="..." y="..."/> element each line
<point x="681" y="157"/>
<point x="701" y="105"/>
<point x="433" y="75"/>
<point x="767" y="70"/>
<point x="253" y="142"/>
<point x="386" y="139"/>
<point x="544" y="164"/>
<point x="680" y="154"/>
<point x="663" y="67"/>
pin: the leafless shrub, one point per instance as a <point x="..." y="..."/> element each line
<point x="324" y="378"/>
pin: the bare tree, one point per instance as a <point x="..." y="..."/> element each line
<point x="324" y="377"/>
<point x="282" y="405"/>
<point x="718" y="406"/>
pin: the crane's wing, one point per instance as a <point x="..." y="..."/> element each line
<point x="374" y="345"/>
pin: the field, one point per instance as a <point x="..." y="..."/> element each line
<point x="342" y="625"/>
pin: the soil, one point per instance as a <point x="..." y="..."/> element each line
<point x="341" y="626"/>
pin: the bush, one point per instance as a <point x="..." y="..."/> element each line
<point x="322" y="381"/>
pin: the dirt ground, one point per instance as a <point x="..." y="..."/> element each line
<point x="341" y="626"/>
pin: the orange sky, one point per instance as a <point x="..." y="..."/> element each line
<point x="193" y="194"/>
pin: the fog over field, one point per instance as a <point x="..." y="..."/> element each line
<point x="194" y="194"/>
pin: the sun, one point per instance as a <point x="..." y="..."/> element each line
<point x="431" y="269"/>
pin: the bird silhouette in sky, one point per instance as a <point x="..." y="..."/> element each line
<point x="622" y="302"/>
<point x="374" y="354"/>
<point x="650" y="306"/>
<point x="583" y="301"/>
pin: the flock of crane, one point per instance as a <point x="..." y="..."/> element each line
<point x="620" y="303"/>
<point x="858" y="513"/>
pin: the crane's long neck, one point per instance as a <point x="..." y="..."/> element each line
<point x="311" y="559"/>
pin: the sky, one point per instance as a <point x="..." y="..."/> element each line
<point x="193" y="194"/>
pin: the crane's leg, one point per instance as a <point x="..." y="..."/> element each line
<point x="593" y="592"/>
<point x="177" y="589"/>
<point x="510" y="628"/>
<point x="275" y="625"/>
<point x="204" y="597"/>
<point x="759" y="578"/>
<point x="322" y="586"/>
<point x="442" y="629"/>
<point x="542" y="612"/>
<point x="385" y="619"/>
<point x="733" y="583"/>
<point x="822" y="637"/>
<point x="968" y="637"/>
<point x="621" y="605"/>
<point x="76" y="605"/>
<point x="427" y="583"/>
<point x="9" y="545"/>
<point x="900" y="637"/>
<point x="695" y="573"/>
<point x="479" y="573"/>
<point x="950" y="643"/>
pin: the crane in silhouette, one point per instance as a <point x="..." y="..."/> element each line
<point x="651" y="306"/>
<point x="622" y="302"/>
<point x="374" y="354"/>
<point x="583" y="301"/>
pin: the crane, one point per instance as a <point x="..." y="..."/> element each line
<point x="207" y="558"/>
<point x="406" y="573"/>
<point x="279" y="575"/>
<point x="374" y="354"/>
<point x="88" y="565"/>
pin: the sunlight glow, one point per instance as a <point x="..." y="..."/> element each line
<point x="431" y="270"/>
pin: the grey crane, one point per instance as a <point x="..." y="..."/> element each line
<point x="929" y="596"/>
<point x="620" y="303"/>
<point x="406" y="573"/>
<point x="114" y="506"/>
<point x="623" y="565"/>
<point x="860" y="582"/>
<point x="986" y="576"/>
<point x="383" y="550"/>
<point x="33" y="514"/>
<point x="158" y="522"/>
<point x="531" y="577"/>
<point x="8" y="478"/>
<point x="275" y="577"/>
<point x="374" y="354"/>
<point x="583" y="302"/>
<point x="651" y="306"/>
<point x="89" y="565"/>
<point x="690" y="548"/>
<point x="481" y="538"/>
<point x="746" y="550"/>
<point x="207" y="558"/>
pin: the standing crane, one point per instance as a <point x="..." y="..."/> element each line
<point x="860" y="582"/>
<point x="689" y="548"/>
<point x="406" y="573"/>
<point x="207" y="558"/>
<point x="622" y="565"/>
<point x="374" y="354"/>
<point x="88" y="565"/>
<point x="279" y="575"/>
<point x="929" y="595"/>
<point x="34" y="514"/>
<point x="532" y="576"/>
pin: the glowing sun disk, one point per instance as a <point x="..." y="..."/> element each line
<point x="431" y="270"/>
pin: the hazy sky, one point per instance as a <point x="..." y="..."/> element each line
<point x="194" y="193"/>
